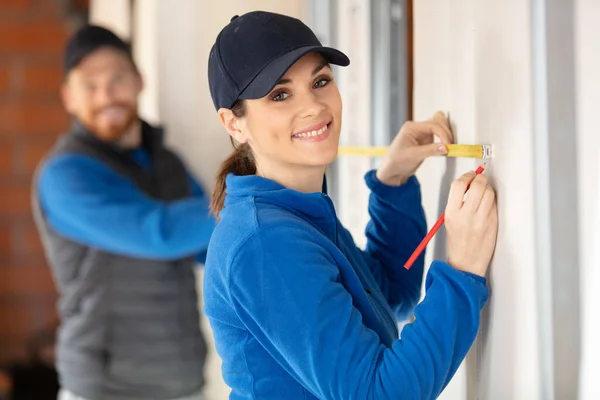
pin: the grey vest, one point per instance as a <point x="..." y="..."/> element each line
<point x="130" y="327"/>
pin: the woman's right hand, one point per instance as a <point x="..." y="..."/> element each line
<point x="472" y="226"/>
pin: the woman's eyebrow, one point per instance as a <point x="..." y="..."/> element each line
<point x="315" y="71"/>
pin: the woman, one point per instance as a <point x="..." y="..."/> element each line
<point x="297" y="310"/>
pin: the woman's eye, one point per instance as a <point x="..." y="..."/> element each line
<point x="322" y="82"/>
<point x="280" y="96"/>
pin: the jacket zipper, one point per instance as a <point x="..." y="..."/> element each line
<point x="375" y="299"/>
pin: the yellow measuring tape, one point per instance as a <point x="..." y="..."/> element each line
<point x="482" y="151"/>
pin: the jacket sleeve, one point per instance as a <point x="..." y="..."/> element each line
<point x="196" y="188"/>
<point x="87" y="202"/>
<point x="198" y="192"/>
<point x="396" y="228"/>
<point x="286" y="290"/>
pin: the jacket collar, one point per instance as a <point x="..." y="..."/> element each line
<point x="315" y="207"/>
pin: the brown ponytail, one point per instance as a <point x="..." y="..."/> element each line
<point x="240" y="162"/>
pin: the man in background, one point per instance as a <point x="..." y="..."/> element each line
<point x="123" y="223"/>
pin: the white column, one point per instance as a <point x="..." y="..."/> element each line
<point x="587" y="60"/>
<point x="112" y="14"/>
<point x="146" y="54"/>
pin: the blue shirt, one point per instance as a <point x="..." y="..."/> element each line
<point x="299" y="312"/>
<point x="86" y="201"/>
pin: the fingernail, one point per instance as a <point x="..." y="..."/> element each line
<point x="442" y="149"/>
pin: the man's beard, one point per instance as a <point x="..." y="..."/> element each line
<point x="112" y="132"/>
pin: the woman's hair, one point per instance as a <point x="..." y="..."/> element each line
<point x="240" y="162"/>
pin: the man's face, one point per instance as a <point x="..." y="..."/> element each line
<point x="102" y="92"/>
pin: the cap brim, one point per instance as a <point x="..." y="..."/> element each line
<point x="266" y="80"/>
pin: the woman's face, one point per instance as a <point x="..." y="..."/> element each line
<point x="297" y="125"/>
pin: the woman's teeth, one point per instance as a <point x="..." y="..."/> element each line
<point x="312" y="133"/>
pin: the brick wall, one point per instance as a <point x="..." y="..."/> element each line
<point x="32" y="36"/>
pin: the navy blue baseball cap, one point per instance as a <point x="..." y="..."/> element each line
<point x="88" y="39"/>
<point x="255" y="50"/>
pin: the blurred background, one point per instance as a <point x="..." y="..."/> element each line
<point x="521" y="75"/>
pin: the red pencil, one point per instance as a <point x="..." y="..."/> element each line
<point x="432" y="232"/>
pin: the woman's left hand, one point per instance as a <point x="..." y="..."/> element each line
<point x="411" y="146"/>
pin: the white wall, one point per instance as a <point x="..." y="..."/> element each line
<point x="588" y="100"/>
<point x="472" y="58"/>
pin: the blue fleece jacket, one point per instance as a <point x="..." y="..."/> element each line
<point x="299" y="312"/>
<point x="84" y="200"/>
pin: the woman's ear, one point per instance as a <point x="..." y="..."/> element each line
<point x="231" y="124"/>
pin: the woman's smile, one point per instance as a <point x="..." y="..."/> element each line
<point x="315" y="133"/>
